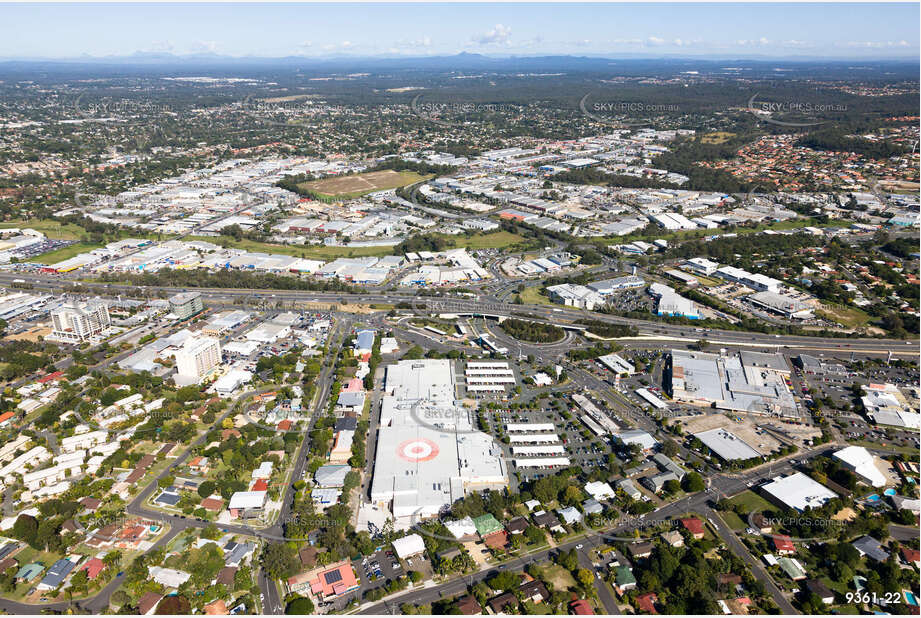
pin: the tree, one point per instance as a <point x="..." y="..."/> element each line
<point x="206" y="488"/>
<point x="693" y="482"/>
<point x="669" y="447"/>
<point x="26" y="529"/>
<point x="173" y="605"/>
<point x="535" y="535"/>
<point x="504" y="581"/>
<point x="585" y="578"/>
<point x="300" y="606"/>
<point x="569" y="560"/>
<point x="279" y="560"/>
<point x="572" y="496"/>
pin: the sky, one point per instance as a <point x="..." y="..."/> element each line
<point x="830" y="30"/>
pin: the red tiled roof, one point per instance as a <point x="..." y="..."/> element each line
<point x="693" y="525"/>
<point x="260" y="485"/>
<point x="93" y="567"/>
<point x="51" y="377"/>
<point x="581" y="607"/>
<point x="212" y="504"/>
<point x="647" y="602"/>
<point x="783" y="543"/>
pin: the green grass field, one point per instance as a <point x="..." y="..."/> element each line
<point x="49" y="227"/>
<point x="850" y="317"/>
<point x="532" y="296"/>
<point x="65" y="253"/>
<point x="733" y="521"/>
<point x="491" y="240"/>
<point x="751" y="501"/>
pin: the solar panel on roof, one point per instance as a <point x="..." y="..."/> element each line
<point x="332" y="577"/>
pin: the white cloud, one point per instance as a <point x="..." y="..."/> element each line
<point x="204" y="47"/>
<point x="877" y="44"/>
<point x="499" y="35"/>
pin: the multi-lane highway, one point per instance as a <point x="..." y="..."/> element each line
<point x="651" y="333"/>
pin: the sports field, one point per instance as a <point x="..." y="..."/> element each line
<point x="360" y="184"/>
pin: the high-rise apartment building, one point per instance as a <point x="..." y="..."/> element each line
<point x="77" y="322"/>
<point x="196" y="358"/>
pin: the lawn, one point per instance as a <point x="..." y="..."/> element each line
<point x="532" y="296"/>
<point x="751" y="501"/>
<point x="347" y="187"/>
<point x="850" y="317"/>
<point x="49" y="227"/>
<point x="492" y="240"/>
<point x="65" y="253"/>
<point x="558" y="576"/>
<point x="733" y="521"/>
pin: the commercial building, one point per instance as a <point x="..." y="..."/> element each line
<point x="798" y="491"/>
<point x="726" y="445"/>
<point x="787" y="306"/>
<point x="231" y="381"/>
<point x="756" y="282"/>
<point x="673" y="304"/>
<point x="573" y="295"/>
<point x="655" y="401"/>
<point x="617" y="364"/>
<point x="77" y="322"/>
<point x="185" y="304"/>
<point x="863" y="463"/>
<point x="886" y="405"/>
<point x="197" y="357"/>
<point x="429" y="453"/>
<point x="609" y="286"/>
<point x="702" y="266"/>
<point x="225" y="322"/>
<point x="748" y="382"/>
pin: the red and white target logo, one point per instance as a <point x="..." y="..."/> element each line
<point x="418" y="450"/>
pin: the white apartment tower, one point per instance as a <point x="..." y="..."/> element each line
<point x="196" y="357"/>
<point x="77" y="322"/>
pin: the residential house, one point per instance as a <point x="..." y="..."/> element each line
<point x="694" y="526"/>
<point x="783" y="545"/>
<point x="148" y="603"/>
<point x="868" y="546"/>
<point x="581" y="607"/>
<point x="534" y="591"/>
<point x="624" y="579"/>
<point x="646" y="603"/>
<point x="816" y="587"/>
<point x="673" y="538"/>
<point x="548" y="521"/>
<point x="640" y="549"/>
<point x="469" y="606"/>
<point x="499" y="604"/>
